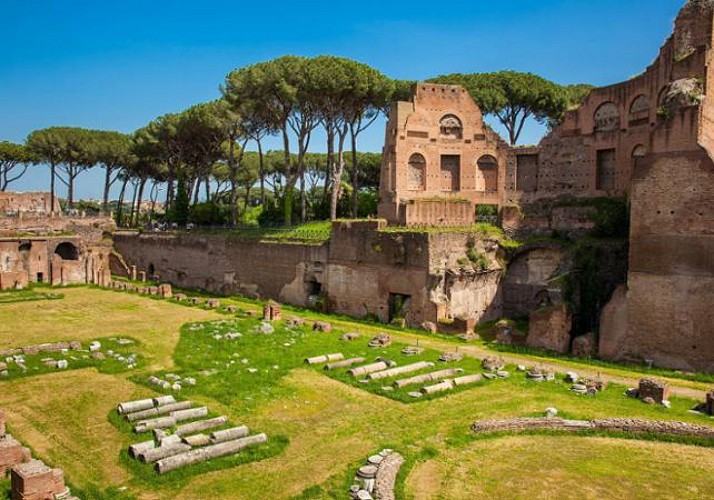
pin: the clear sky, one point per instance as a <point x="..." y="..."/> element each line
<point x="117" y="65"/>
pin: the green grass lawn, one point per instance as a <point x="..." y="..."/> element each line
<point x="322" y="425"/>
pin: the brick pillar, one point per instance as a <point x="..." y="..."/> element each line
<point x="35" y="481"/>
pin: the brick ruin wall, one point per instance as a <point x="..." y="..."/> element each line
<point x="54" y="249"/>
<point x="359" y="272"/>
<point x="666" y="313"/>
<point x="282" y="271"/>
<point x="27" y="203"/>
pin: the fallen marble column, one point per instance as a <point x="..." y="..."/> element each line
<point x="163" y="400"/>
<point x="427" y="377"/>
<point x="468" y="379"/>
<point x="190" y="414"/>
<point x="156" y="423"/>
<point x="444" y="385"/>
<point x="137" y="448"/>
<point x="400" y="370"/>
<point x="168" y="440"/>
<point x="156" y="454"/>
<point x="200" y="426"/>
<point x="197" y="440"/>
<point x="363" y="370"/>
<point x="229" y="434"/>
<point x="203" y="454"/>
<point x="156" y="412"/>
<point x="133" y="406"/>
<point x="324" y="359"/>
<point x="343" y="364"/>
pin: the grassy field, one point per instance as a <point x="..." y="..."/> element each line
<point x="322" y="424"/>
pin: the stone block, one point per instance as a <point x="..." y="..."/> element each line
<point x="272" y="311"/>
<point x="36" y="481"/>
<point x="165" y="291"/>
<point x="657" y="390"/>
<point x="585" y="346"/>
<point x="11" y="453"/>
<point x="549" y="328"/>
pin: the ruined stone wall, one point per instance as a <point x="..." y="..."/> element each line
<point x="594" y="151"/>
<point x="281" y="271"/>
<point x="527" y="285"/>
<point x="57" y="260"/>
<point x="671" y="270"/>
<point x="89" y="228"/>
<point x="31" y="203"/>
<point x="359" y="272"/>
<point x="365" y="266"/>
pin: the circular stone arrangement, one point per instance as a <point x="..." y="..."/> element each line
<point x="375" y="479"/>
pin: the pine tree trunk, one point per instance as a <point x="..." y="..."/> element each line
<point x="105" y="197"/>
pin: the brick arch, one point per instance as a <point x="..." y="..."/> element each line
<point x="451" y="127"/>
<point x="416" y="172"/>
<point x="607" y="117"/>
<point x="487" y="173"/>
<point x="67" y="251"/>
<point x="639" y="109"/>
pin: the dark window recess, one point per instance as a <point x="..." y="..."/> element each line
<point x="606" y="170"/>
<point x="398" y="306"/>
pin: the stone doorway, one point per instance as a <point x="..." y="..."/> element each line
<point x="398" y="306"/>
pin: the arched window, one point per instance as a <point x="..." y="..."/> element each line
<point x="488" y="170"/>
<point x="415" y="172"/>
<point x="450" y="127"/>
<point x="67" y="251"/>
<point x="640" y="109"/>
<point x="607" y="117"/>
<point x="639" y="151"/>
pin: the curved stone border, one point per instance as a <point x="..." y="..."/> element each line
<point x="377" y="478"/>
<point x="633" y="425"/>
<point x="387" y="477"/>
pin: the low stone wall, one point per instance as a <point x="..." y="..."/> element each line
<point x="387" y="476"/>
<point x="630" y="425"/>
<point x="376" y="479"/>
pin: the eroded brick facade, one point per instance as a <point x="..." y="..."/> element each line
<point x="439" y="159"/>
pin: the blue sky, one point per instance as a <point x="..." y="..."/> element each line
<point x="118" y="65"/>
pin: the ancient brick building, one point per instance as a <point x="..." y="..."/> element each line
<point x="650" y="139"/>
<point x="53" y="249"/>
<point x="439" y="159"/>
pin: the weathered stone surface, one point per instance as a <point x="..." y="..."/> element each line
<point x="35" y="481"/>
<point x="322" y="326"/>
<point x="272" y="311"/>
<point x="380" y="340"/>
<point x="585" y="346"/>
<point x="492" y="363"/>
<point x="429" y="326"/>
<point x="549" y="328"/>
<point x="450" y="356"/>
<point x="656" y="390"/>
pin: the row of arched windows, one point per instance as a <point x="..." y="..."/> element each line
<point x="607" y="115"/>
<point x="486" y="164"/>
